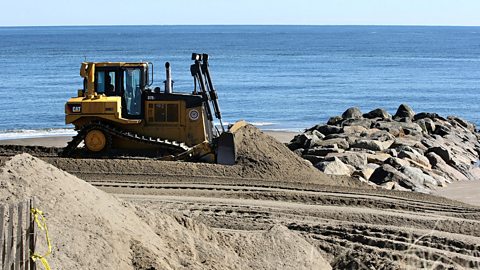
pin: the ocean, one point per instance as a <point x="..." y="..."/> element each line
<point x="277" y="77"/>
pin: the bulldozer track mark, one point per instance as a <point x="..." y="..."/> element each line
<point x="414" y="247"/>
<point x="281" y="194"/>
<point x="397" y="244"/>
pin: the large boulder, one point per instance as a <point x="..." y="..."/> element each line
<point x="323" y="151"/>
<point x="356" y="159"/>
<point x="378" y="113"/>
<point x="340" y="142"/>
<point x="427" y="125"/>
<point x="328" y="129"/>
<point x="372" y="144"/>
<point x="335" y="120"/>
<point x="418" y="178"/>
<point x="386" y="173"/>
<point x="442" y="152"/>
<point x="335" y="167"/>
<point x="449" y="172"/>
<point x="352" y="113"/>
<point x="424" y="115"/>
<point x="404" y="111"/>
<point x="366" y="123"/>
<point x="464" y="123"/>
<point x="414" y="155"/>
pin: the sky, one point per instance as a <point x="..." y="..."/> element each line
<point x="270" y="12"/>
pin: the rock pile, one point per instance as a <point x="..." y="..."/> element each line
<point x="406" y="151"/>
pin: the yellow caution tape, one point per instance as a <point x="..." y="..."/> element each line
<point x="42" y="224"/>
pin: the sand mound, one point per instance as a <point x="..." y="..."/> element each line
<point x="94" y="230"/>
<point x="262" y="156"/>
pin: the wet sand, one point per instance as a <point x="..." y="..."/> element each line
<point x="61" y="141"/>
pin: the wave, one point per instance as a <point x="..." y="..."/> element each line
<point x="257" y="124"/>
<point x="35" y="133"/>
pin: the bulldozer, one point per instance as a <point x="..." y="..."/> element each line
<point x="118" y="112"/>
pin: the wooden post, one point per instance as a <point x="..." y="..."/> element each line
<point x="28" y="224"/>
<point x="9" y="239"/>
<point x="20" y="232"/>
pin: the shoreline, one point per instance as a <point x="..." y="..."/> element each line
<point x="62" y="140"/>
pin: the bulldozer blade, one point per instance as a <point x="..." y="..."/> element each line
<point x="226" y="153"/>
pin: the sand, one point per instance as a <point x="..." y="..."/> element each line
<point x="94" y="230"/>
<point x="61" y="141"/>
<point x="270" y="211"/>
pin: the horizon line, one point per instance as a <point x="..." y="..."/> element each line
<point x="329" y="25"/>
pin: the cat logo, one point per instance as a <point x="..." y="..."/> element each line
<point x="76" y="108"/>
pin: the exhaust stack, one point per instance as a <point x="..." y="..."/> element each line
<point x="168" y="82"/>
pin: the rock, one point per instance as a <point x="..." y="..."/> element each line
<point x="367" y="171"/>
<point x="392" y="152"/>
<point x="404" y="111"/>
<point x="405" y="141"/>
<point x="335" y="167"/>
<point x="328" y="129"/>
<point x="388" y="185"/>
<point x="299" y="141"/>
<point x="352" y="113"/>
<point x="366" y="123"/>
<point x="427" y="125"/>
<point x="340" y="142"/>
<point x="323" y="151"/>
<point x="386" y="173"/>
<point x="469" y="126"/>
<point x="299" y="151"/>
<point x="397" y="163"/>
<point x="314" y="159"/>
<point x="370" y="145"/>
<point x="377" y="158"/>
<point x="424" y="115"/>
<point x="442" y="130"/>
<point x="378" y="113"/>
<point x="399" y="129"/>
<point x="415" y="156"/>
<point x="381" y="135"/>
<point x="442" y="152"/>
<point x="335" y="120"/>
<point x="355" y="159"/>
<point x="353" y="129"/>
<point x="439" y="164"/>
<point x="418" y="178"/>
<point x="317" y="134"/>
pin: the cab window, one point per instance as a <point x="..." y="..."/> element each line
<point x="106" y="83"/>
<point x="132" y="91"/>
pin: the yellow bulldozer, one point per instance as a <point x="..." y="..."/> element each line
<point x="119" y="113"/>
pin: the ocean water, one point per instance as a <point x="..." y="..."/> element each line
<point x="278" y="77"/>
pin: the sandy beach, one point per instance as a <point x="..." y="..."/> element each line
<point x="229" y="214"/>
<point x="464" y="191"/>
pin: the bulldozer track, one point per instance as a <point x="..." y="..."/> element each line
<point x="396" y="239"/>
<point x="282" y="194"/>
<point x="179" y="149"/>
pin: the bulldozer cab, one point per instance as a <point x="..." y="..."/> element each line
<point x="125" y="80"/>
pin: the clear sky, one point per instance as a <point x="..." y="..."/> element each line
<point x="180" y="12"/>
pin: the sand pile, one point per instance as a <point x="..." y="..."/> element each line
<point x="94" y="230"/>
<point x="260" y="155"/>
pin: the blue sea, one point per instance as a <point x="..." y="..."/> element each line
<point x="278" y="77"/>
